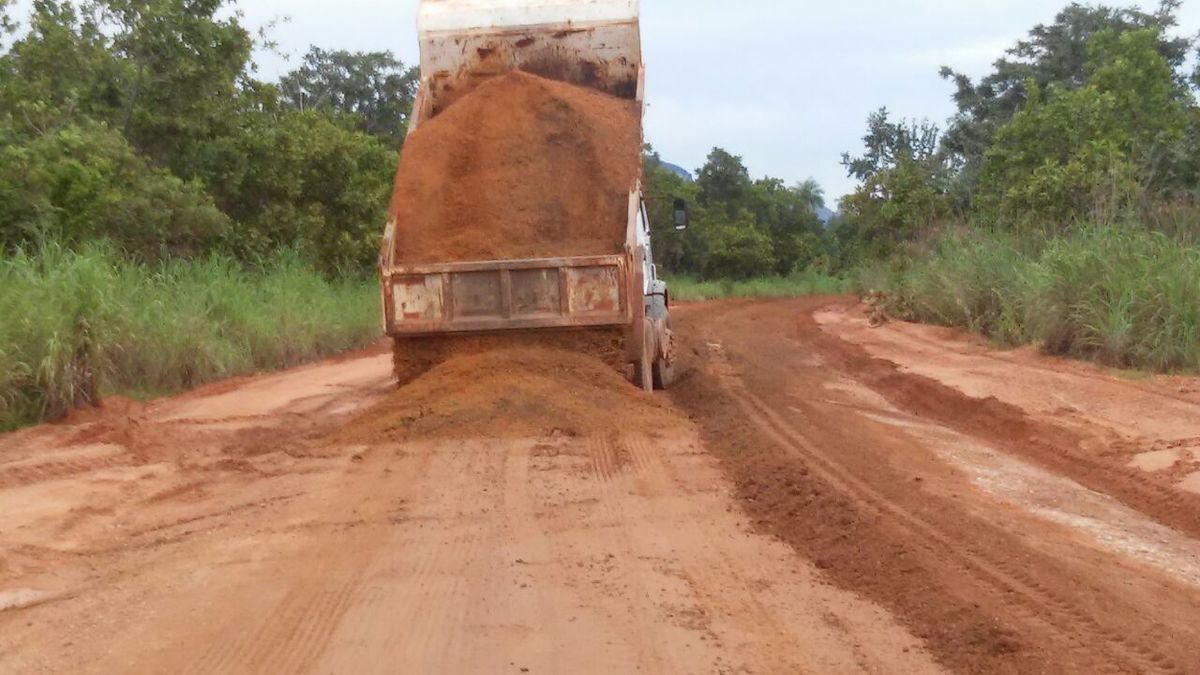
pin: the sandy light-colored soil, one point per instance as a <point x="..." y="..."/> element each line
<point x="815" y="496"/>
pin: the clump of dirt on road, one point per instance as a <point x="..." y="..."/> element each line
<point x="521" y="167"/>
<point x="509" y="392"/>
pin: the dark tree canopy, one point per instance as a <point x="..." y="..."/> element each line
<point x="374" y="87"/>
<point x="741" y="227"/>
<point x="115" y="111"/>
<point x="1054" y="54"/>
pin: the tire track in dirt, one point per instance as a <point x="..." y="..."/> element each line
<point x="611" y="518"/>
<point x="719" y="585"/>
<point x="1040" y="627"/>
<point x="1007" y="427"/>
<point x="1034" y="600"/>
<point x="44" y="472"/>
<point x="428" y="627"/>
<point x="286" y="632"/>
<point x="298" y="627"/>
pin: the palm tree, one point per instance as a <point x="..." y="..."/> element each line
<point x="811" y="192"/>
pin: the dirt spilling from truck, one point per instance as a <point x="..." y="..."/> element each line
<point x="534" y="391"/>
<point x="521" y="167"/>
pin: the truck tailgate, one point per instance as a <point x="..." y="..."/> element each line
<point x="507" y="295"/>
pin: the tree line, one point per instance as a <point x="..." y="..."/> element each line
<point x="741" y="227"/>
<point x="1091" y="119"/>
<point x="144" y="122"/>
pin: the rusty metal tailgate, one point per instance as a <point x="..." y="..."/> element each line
<point x="507" y="295"/>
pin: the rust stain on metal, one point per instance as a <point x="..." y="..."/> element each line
<point x="510" y="295"/>
<point x="563" y="34"/>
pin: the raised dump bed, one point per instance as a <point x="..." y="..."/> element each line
<point x="518" y="204"/>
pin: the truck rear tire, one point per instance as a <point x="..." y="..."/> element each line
<point x="643" y="369"/>
<point x="664" y="374"/>
<point x="664" y="364"/>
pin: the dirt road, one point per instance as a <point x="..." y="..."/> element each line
<point x="814" y="497"/>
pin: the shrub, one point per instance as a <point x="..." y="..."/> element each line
<point x="80" y="324"/>
<point x="84" y="182"/>
<point x="1126" y="297"/>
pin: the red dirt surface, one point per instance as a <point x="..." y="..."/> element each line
<point x="521" y="167"/>
<point x="813" y="497"/>
<point x="918" y="495"/>
<point x="508" y="392"/>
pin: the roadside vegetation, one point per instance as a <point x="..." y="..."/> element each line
<point x="1124" y="296"/>
<point x="81" y="322"/>
<point x="1060" y="206"/>
<point x="168" y="218"/>
<point x="809" y="282"/>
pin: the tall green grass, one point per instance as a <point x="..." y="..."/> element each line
<point x="1126" y="297"/>
<point x="809" y="282"/>
<point x="76" y="325"/>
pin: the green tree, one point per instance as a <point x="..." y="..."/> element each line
<point x="60" y="70"/>
<point x="737" y="249"/>
<point x="723" y="182"/>
<point x="301" y="179"/>
<point x="1088" y="151"/>
<point x="889" y="144"/>
<point x="181" y="62"/>
<point x="902" y="191"/>
<point x="788" y="217"/>
<point x="811" y="193"/>
<point x="7" y="25"/>
<point x="375" y="88"/>
<point x="1053" y="55"/>
<point x="84" y="182"/>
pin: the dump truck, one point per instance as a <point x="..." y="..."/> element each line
<point x="587" y="43"/>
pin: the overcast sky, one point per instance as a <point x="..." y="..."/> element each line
<point x="787" y="84"/>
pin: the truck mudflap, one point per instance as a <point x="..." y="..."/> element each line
<point x="507" y="295"/>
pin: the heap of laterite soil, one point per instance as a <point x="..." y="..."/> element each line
<point x="526" y="391"/>
<point x="521" y="167"/>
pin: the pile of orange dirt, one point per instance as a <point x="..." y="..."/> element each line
<point x="514" y="392"/>
<point x="521" y="167"/>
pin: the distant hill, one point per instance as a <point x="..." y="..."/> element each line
<point x="679" y="171"/>
<point x="825" y="214"/>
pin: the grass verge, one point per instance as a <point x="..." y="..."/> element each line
<point x="684" y="289"/>
<point x="78" y="325"/>
<point x="1126" y="297"/>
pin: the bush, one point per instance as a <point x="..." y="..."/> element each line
<point x="301" y="179"/>
<point x="684" y="289"/>
<point x="85" y="182"/>
<point x="80" y="324"/>
<point x="1126" y="297"/>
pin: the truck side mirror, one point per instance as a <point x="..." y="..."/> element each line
<point x="681" y="214"/>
